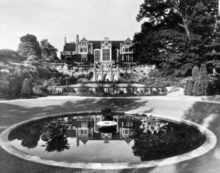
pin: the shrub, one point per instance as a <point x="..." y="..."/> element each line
<point x="195" y="72"/>
<point x="100" y="89"/>
<point x="188" y="89"/>
<point x="155" y="73"/>
<point x="158" y="82"/>
<point x="197" y="90"/>
<point x="40" y="90"/>
<point x="203" y="71"/>
<point x="43" y="72"/>
<point x="129" y="89"/>
<point x="26" y="88"/>
<point x="72" y="80"/>
<point x="202" y="84"/>
<point x="216" y="86"/>
<point x="149" y="81"/>
<point x="182" y="82"/>
<point x="83" y="89"/>
<point x="152" y="125"/>
<point x="107" y="114"/>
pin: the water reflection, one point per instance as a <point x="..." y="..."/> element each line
<point x="175" y="140"/>
<point x="86" y="128"/>
<point x="28" y="134"/>
<point x="56" y="136"/>
<point x="56" y="131"/>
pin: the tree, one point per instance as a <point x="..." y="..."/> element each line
<point x="7" y="56"/>
<point x="29" y="135"/>
<point x="29" y="46"/>
<point x="49" y="52"/>
<point x="56" y="136"/>
<point x="177" y="34"/>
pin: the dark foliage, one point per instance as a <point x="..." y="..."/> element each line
<point x="195" y="72"/>
<point x="49" y="52"/>
<point x="202" y="83"/>
<point x="29" y="135"/>
<point x="29" y="46"/>
<point x="177" y="35"/>
<point x="188" y="89"/>
<point x="56" y="136"/>
<point x="107" y="114"/>
<point x="8" y="56"/>
<point x="175" y="140"/>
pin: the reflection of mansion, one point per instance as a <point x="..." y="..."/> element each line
<point x="85" y="129"/>
<point x="103" y="58"/>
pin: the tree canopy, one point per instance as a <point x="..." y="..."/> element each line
<point x="7" y="56"/>
<point x="177" y="34"/>
<point x="48" y="50"/>
<point x="29" y="46"/>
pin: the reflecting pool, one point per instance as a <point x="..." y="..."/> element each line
<point x="80" y="139"/>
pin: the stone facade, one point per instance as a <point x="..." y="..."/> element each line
<point x="104" y="58"/>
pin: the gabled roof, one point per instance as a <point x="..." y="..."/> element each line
<point x="97" y="44"/>
<point x="83" y="39"/>
<point x="128" y="39"/>
<point x="128" y="140"/>
<point x="69" y="47"/>
<point x="84" y="140"/>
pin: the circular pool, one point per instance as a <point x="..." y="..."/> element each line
<point x="75" y="140"/>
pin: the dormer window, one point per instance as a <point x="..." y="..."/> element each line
<point x="127" y="43"/>
<point x="83" y="43"/>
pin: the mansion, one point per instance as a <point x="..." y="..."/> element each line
<point x="103" y="58"/>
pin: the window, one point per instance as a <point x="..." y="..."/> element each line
<point x="127" y="43"/>
<point x="106" y="54"/>
<point x="126" y="49"/>
<point x="84" y="131"/>
<point x="129" y="124"/>
<point x="127" y="132"/>
<point x="127" y="58"/>
<point x="84" y="57"/>
<point x="83" y="49"/>
<point x="83" y="43"/>
<point x="97" y="55"/>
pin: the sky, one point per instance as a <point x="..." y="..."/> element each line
<point x="56" y="19"/>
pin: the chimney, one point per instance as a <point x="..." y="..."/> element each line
<point x="77" y="42"/>
<point x="106" y="39"/>
<point x="64" y="41"/>
<point x="77" y="39"/>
